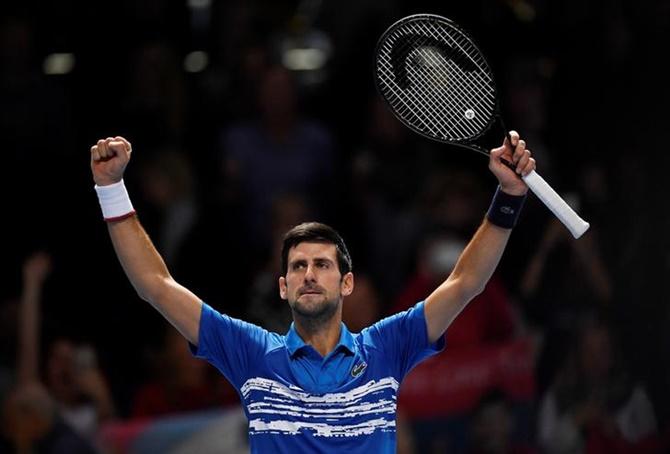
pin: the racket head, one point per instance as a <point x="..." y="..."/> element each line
<point x="436" y="81"/>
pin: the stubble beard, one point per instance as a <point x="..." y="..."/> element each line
<point x="313" y="316"/>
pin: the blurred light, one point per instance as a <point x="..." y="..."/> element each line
<point x="304" y="59"/>
<point x="59" y="63"/>
<point x="199" y="4"/>
<point x="196" y="61"/>
<point x="307" y="51"/>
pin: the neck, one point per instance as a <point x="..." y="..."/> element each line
<point x="322" y="335"/>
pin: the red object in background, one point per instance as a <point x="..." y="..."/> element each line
<point x="454" y="381"/>
<point x="481" y="354"/>
<point x="487" y="318"/>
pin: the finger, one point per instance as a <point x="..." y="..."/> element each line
<point x="111" y="151"/>
<point x="530" y="166"/>
<point x="519" y="151"/>
<point x="129" y="147"/>
<point x="103" y="148"/>
<point x="497" y="152"/>
<point x="515" y="138"/>
<point x="522" y="161"/>
<point x="95" y="153"/>
<point x="118" y="147"/>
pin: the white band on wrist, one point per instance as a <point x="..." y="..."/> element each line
<point x="114" y="201"/>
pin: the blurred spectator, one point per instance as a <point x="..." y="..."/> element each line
<point x="35" y="417"/>
<point x="593" y="405"/>
<point x="78" y="386"/>
<point x="278" y="153"/>
<point x="31" y="424"/>
<point x="488" y="319"/>
<point x="550" y="275"/>
<point x="182" y="383"/>
<point x="475" y="341"/>
<point x="492" y="427"/>
<point x="563" y="280"/>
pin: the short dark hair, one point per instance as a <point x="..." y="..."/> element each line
<point x="315" y="232"/>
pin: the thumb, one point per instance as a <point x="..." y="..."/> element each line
<point x="497" y="152"/>
<point x="496" y="155"/>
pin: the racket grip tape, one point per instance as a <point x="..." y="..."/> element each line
<point x="576" y="225"/>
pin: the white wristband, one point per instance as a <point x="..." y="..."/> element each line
<point x="114" y="201"/>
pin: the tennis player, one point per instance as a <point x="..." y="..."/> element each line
<point x="319" y="387"/>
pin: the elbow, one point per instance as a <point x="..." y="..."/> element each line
<point x="469" y="289"/>
<point x="153" y="290"/>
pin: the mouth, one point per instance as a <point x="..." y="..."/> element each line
<point x="310" y="292"/>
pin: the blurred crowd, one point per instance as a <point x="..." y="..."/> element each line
<point x="235" y="142"/>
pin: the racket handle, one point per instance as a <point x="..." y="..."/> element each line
<point x="556" y="204"/>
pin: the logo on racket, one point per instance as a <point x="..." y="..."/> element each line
<point x="358" y="369"/>
<point x="469" y="114"/>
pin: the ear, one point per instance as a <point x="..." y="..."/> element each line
<point x="282" y="288"/>
<point x="347" y="285"/>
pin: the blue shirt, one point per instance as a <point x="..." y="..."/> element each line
<point x="298" y="401"/>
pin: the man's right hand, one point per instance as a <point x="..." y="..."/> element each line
<point x="109" y="158"/>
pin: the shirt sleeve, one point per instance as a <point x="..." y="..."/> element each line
<point x="403" y="339"/>
<point x="231" y="345"/>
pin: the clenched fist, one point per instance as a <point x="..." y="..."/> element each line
<point x="516" y="154"/>
<point x="109" y="158"/>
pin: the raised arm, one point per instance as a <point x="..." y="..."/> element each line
<point x="35" y="271"/>
<point x="482" y="254"/>
<point x="138" y="256"/>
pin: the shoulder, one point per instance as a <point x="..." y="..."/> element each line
<point x="400" y="321"/>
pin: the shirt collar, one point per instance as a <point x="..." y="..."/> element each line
<point x="294" y="342"/>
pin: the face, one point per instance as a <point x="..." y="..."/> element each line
<point x="313" y="285"/>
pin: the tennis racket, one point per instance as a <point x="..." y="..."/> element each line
<point x="438" y="83"/>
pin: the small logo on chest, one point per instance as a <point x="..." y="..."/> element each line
<point x="358" y="369"/>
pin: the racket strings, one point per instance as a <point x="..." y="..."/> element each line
<point x="452" y="62"/>
<point x="483" y="83"/>
<point x="442" y="93"/>
<point x="411" y="108"/>
<point x="460" y="99"/>
<point x="415" y="108"/>
<point x="445" y="100"/>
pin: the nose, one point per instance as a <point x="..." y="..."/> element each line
<point x="309" y="274"/>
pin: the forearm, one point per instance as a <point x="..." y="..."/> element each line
<point x="469" y="277"/>
<point x="151" y="279"/>
<point x="480" y="258"/>
<point x="29" y="321"/>
<point x="139" y="258"/>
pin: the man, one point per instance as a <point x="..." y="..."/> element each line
<point x="319" y="388"/>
